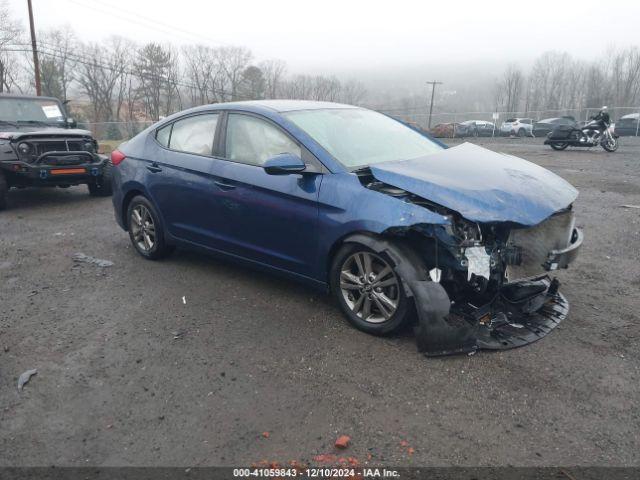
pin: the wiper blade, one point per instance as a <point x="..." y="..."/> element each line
<point x="34" y="122"/>
<point x="364" y="169"/>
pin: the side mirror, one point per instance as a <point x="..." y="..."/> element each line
<point x="284" y="164"/>
<point x="71" y="123"/>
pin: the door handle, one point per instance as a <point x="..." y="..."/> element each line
<point x="224" y="186"/>
<point x="154" y="168"/>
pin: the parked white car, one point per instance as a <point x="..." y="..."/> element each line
<point x="517" y="126"/>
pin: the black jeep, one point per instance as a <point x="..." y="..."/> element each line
<point x="40" y="146"/>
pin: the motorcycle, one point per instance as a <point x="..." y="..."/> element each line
<point x="596" y="132"/>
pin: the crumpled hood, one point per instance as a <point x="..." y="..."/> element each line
<point x="481" y="185"/>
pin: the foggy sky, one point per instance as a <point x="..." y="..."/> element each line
<point x="338" y="36"/>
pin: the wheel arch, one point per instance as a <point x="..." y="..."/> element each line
<point x="126" y="200"/>
<point x="408" y="263"/>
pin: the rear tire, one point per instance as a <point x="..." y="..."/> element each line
<point x="101" y="187"/>
<point x="378" y="310"/>
<point x="559" y="146"/>
<point x="522" y="132"/>
<point x="145" y="229"/>
<point x="4" y="188"/>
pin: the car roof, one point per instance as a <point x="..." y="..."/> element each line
<point x="285" y="105"/>
<point x="549" y="120"/>
<point x="11" y="95"/>
<point x="268" y="108"/>
<point x="630" y="115"/>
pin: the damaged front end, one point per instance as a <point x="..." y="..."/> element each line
<point x="486" y="285"/>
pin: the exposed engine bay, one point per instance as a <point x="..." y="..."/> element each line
<point x="486" y="285"/>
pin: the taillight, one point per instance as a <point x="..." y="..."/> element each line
<point x="117" y="157"/>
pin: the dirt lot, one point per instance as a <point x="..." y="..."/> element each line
<point x="258" y="354"/>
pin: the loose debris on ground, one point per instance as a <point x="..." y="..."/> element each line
<point x="82" y="258"/>
<point x="25" y="377"/>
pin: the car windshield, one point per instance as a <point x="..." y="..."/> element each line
<point x="37" y="110"/>
<point x="357" y="137"/>
<point x="511" y="120"/>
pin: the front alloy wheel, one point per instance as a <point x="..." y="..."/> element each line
<point x="368" y="290"/>
<point x="369" y="287"/>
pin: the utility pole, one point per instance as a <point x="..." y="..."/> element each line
<point x="34" y="46"/>
<point x="433" y="91"/>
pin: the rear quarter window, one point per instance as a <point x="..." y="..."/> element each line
<point x="163" y="134"/>
<point x="193" y="134"/>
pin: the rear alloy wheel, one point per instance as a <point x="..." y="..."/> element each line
<point x="368" y="290"/>
<point x="145" y="231"/>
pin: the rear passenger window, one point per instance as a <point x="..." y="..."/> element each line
<point x="194" y="134"/>
<point x="163" y="134"/>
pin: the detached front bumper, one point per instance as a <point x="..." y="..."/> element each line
<point x="522" y="313"/>
<point x="518" y="312"/>
<point x="56" y="168"/>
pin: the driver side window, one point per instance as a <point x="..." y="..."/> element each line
<point x="252" y="141"/>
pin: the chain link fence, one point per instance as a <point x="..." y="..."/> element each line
<point x="115" y="132"/>
<point x="421" y="118"/>
<point x="112" y="133"/>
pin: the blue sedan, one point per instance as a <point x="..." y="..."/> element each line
<point x="401" y="229"/>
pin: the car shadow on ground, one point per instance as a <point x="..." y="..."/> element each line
<point x="197" y="264"/>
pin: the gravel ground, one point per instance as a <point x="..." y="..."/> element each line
<point x="130" y="374"/>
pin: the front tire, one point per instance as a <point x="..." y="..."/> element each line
<point x="369" y="290"/>
<point x="4" y="188"/>
<point x="559" y="146"/>
<point x="101" y="187"/>
<point x="522" y="132"/>
<point x="145" y="229"/>
<point x="610" y="145"/>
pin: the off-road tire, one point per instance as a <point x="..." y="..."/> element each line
<point x="402" y="314"/>
<point x="4" y="188"/>
<point x="160" y="247"/>
<point x="102" y="187"/>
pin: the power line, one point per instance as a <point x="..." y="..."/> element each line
<point x="144" y="21"/>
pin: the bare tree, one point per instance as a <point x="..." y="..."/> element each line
<point x="512" y="81"/>
<point x="10" y="33"/>
<point x="233" y="61"/>
<point x="58" y="62"/>
<point x="624" y="73"/>
<point x="273" y="71"/>
<point x="353" y="92"/>
<point x="202" y="72"/>
<point x="99" y="78"/>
